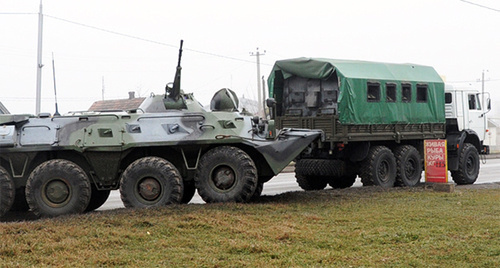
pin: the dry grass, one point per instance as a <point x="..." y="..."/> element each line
<point x="353" y="227"/>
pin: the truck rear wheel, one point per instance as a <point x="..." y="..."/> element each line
<point x="150" y="182"/>
<point x="58" y="187"/>
<point x="468" y="166"/>
<point x="408" y="166"/>
<point x="226" y="174"/>
<point x="6" y="191"/>
<point x="379" y="167"/>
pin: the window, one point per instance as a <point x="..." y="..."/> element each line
<point x="474" y="103"/>
<point x="373" y="92"/>
<point x="448" y="98"/>
<point x="421" y="93"/>
<point x="390" y="92"/>
<point x="406" y="92"/>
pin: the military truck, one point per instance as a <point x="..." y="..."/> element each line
<point x="375" y="118"/>
<point x="158" y="154"/>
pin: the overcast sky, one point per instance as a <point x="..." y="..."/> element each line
<point x="134" y="44"/>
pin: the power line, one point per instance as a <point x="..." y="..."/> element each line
<point x="17" y="13"/>
<point x="146" y="40"/>
<point x="479" y="5"/>
<point x="474" y="81"/>
<point x="132" y="36"/>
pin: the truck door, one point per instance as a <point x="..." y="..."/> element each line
<point x="476" y="120"/>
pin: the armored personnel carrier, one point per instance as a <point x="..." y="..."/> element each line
<point x="158" y="154"/>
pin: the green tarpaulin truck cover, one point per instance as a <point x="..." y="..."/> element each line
<point x="353" y="78"/>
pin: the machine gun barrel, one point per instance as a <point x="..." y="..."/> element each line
<point x="174" y="92"/>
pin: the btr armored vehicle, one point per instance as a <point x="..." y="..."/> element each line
<point x="375" y="117"/>
<point x="155" y="155"/>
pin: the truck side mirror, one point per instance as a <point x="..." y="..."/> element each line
<point x="489" y="104"/>
<point x="271" y="104"/>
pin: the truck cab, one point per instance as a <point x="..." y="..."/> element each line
<point x="465" y="105"/>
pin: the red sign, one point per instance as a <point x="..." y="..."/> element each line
<point x="436" y="161"/>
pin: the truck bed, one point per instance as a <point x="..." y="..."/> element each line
<point x="337" y="132"/>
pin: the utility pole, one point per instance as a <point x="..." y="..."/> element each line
<point x="103" y="88"/>
<point x="39" y="62"/>
<point x="259" y="90"/>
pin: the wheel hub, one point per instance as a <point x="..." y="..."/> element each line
<point x="149" y="189"/>
<point x="223" y="177"/>
<point x="383" y="171"/>
<point x="410" y="168"/>
<point x="470" y="166"/>
<point x="57" y="191"/>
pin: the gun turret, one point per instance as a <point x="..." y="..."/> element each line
<point x="172" y="93"/>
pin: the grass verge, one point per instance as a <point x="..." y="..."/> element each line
<point x="353" y="227"/>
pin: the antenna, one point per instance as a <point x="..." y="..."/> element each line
<point x="55" y="91"/>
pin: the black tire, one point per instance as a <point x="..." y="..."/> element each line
<point x="342" y="182"/>
<point x="6" y="191"/>
<point x="468" y="166"/>
<point x="58" y="187"/>
<point x="320" y="167"/>
<point x="97" y="198"/>
<point x="408" y="166"/>
<point x="311" y="183"/>
<point x="226" y="174"/>
<point x="151" y="182"/>
<point x="379" y="167"/>
<point x="189" y="191"/>
<point x="314" y="174"/>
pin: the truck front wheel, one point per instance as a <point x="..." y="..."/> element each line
<point x="342" y="182"/>
<point x="226" y="174"/>
<point x="6" y="191"/>
<point x="313" y="174"/>
<point x="379" y="167"/>
<point x="468" y="166"/>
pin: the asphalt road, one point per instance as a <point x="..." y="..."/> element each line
<point x="489" y="177"/>
<point x="285" y="182"/>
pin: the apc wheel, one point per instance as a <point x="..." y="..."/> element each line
<point x="58" y="187"/>
<point x="97" y="198"/>
<point x="226" y="174"/>
<point x="379" y="167"/>
<point x="468" y="166"/>
<point x="6" y="191"/>
<point x="342" y="182"/>
<point x="151" y="182"/>
<point x="408" y="166"/>
<point x="189" y="190"/>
